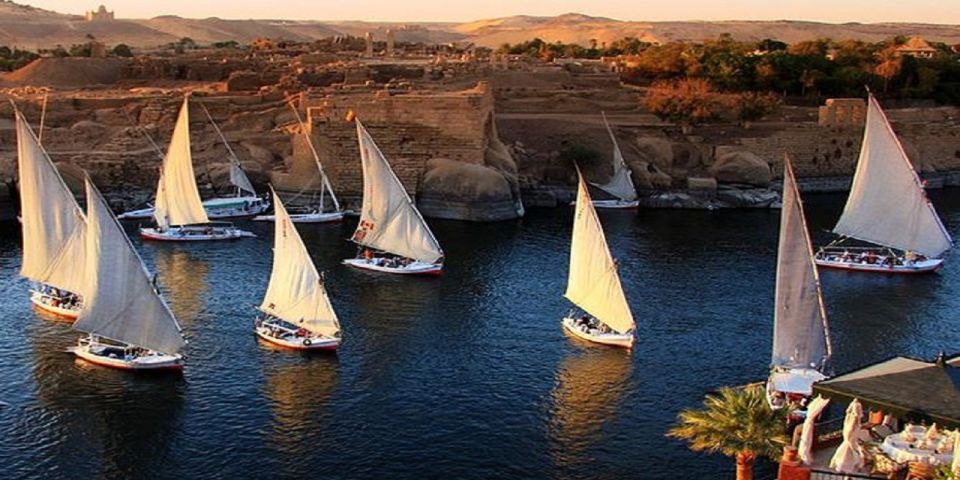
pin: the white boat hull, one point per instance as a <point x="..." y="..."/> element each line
<point x="328" y="217"/>
<point x="194" y="234"/>
<point x="415" y="268"/>
<point x="921" y="266"/>
<point x="45" y="303"/>
<point x="97" y="353"/>
<point x="786" y="385"/>
<point x="571" y="326"/>
<point x="294" y="342"/>
<point x="216" y="208"/>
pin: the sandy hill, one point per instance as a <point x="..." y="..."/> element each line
<point x="30" y="27"/>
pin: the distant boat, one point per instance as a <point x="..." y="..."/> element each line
<point x="179" y="214"/>
<point x="297" y="313"/>
<point x="801" y="337"/>
<point x="245" y="203"/>
<point x="313" y="214"/>
<point x="392" y="234"/>
<point x="129" y="326"/>
<point x="53" y="229"/>
<point x="602" y="314"/>
<point x="888" y="207"/>
<point x="621" y="183"/>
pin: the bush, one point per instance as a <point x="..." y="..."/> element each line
<point x="686" y="102"/>
<point x="752" y="106"/>
<point x="122" y="50"/>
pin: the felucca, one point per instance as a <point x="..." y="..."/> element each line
<point x="245" y="203"/>
<point x="620" y="184"/>
<point x="602" y="314"/>
<point x="313" y="214"/>
<point x="179" y="214"/>
<point x="53" y="229"/>
<point x="129" y="326"/>
<point x="801" y="337"/>
<point x="888" y="207"/>
<point x="296" y="311"/>
<point x="392" y="234"/>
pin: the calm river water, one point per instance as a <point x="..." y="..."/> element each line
<point x="463" y="376"/>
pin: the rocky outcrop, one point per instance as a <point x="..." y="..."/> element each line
<point x="735" y="165"/>
<point x="465" y="191"/>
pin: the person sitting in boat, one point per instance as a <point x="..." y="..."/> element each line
<point x="367" y="254"/>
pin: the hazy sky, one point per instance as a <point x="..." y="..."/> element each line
<point x="838" y="11"/>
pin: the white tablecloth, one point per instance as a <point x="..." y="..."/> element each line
<point x="901" y="450"/>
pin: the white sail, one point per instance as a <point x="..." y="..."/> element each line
<point x="388" y="220"/>
<point x="620" y="184"/>
<point x="594" y="283"/>
<point x="238" y="177"/>
<point x="295" y="293"/>
<point x="178" y="200"/>
<point x="325" y="181"/>
<point x="53" y="224"/>
<point x="120" y="301"/>
<point x="887" y="205"/>
<point x="800" y="334"/>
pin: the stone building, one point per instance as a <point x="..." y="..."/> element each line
<point x="99" y="15"/>
<point x="842" y="112"/>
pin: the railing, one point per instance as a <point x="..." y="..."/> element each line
<point x="828" y="475"/>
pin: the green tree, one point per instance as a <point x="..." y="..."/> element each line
<point x="688" y="102"/>
<point x="752" y="106"/>
<point x="122" y="50"/>
<point x="737" y="423"/>
<point x="889" y="64"/>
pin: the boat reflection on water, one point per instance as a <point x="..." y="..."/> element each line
<point x="299" y="389"/>
<point x="90" y="421"/>
<point x="184" y="276"/>
<point x="590" y="386"/>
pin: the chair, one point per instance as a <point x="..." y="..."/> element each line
<point x="884" y="465"/>
<point x="920" y="471"/>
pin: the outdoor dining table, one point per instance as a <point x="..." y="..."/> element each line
<point x="911" y="445"/>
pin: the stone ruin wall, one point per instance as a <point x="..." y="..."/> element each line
<point x="409" y="129"/>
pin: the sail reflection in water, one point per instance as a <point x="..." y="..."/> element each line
<point x="185" y="277"/>
<point x="299" y="390"/>
<point x="590" y="387"/>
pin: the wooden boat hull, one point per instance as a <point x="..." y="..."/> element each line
<point x="39" y="303"/>
<point x="303" y="344"/>
<point x="216" y="208"/>
<point x="415" y="268"/>
<point x="923" y="266"/>
<point x="329" y="217"/>
<point x="608" y="339"/>
<point x="180" y="234"/>
<point x="154" y="362"/>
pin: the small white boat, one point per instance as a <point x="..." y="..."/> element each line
<point x="313" y="217"/>
<point x="887" y="206"/>
<point x="179" y="213"/>
<point x="875" y="260"/>
<point x="593" y="284"/>
<point x="216" y="208"/>
<point x="579" y="328"/>
<point x="124" y="357"/>
<point x="63" y="306"/>
<point x="395" y="237"/>
<point x="297" y="313"/>
<point x="53" y="226"/>
<point x="246" y="202"/>
<point x="129" y="326"/>
<point x="394" y="265"/>
<point x="620" y="184"/>
<point x="801" y="336"/>
<point x="195" y="233"/>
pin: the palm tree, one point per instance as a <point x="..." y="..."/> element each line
<point x="736" y="422"/>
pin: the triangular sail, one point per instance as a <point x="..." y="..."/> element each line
<point x="620" y="184"/>
<point x="120" y="300"/>
<point x="594" y="283"/>
<point x="238" y="177"/>
<point x="887" y="205"/>
<point x="800" y="334"/>
<point x="388" y="220"/>
<point x="178" y="200"/>
<point x="53" y="224"/>
<point x="296" y="293"/>
<point x="325" y="181"/>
